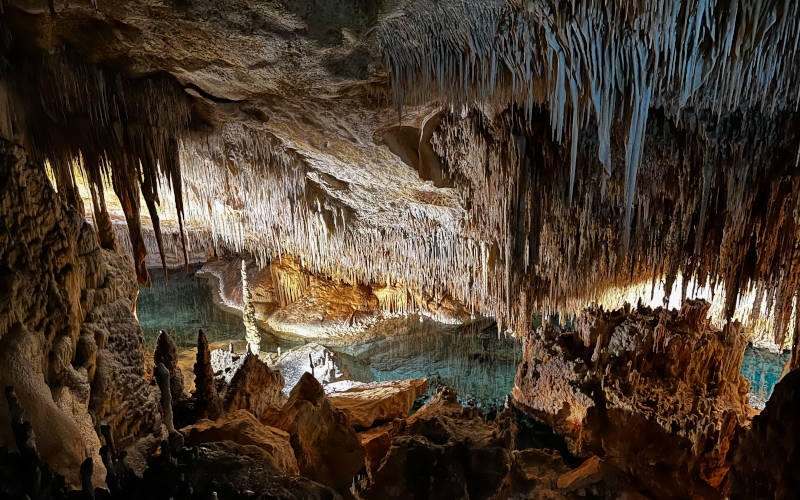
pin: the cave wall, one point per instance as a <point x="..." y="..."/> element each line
<point x="70" y="344"/>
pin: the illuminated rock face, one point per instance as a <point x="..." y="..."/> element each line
<point x="275" y="129"/>
<point x="545" y="154"/>
<point x="69" y="342"/>
<point x="657" y="393"/>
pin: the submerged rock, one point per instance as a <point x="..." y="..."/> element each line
<point x="366" y="404"/>
<point x="656" y="393"/>
<point x="324" y="364"/>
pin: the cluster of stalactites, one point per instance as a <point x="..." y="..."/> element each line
<point x="735" y="222"/>
<point x="599" y="61"/>
<point x="118" y="131"/>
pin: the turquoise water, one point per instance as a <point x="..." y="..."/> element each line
<point x="185" y="304"/>
<point x="478" y="365"/>
<point x="763" y="368"/>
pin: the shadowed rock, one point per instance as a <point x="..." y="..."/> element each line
<point x="207" y="401"/>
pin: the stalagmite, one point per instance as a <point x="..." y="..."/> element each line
<point x="251" y="332"/>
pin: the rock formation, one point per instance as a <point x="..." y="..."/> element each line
<point x="450" y="452"/>
<point x="206" y="398"/>
<point x="374" y="159"/>
<point x="241" y="427"/>
<point x="254" y="387"/>
<point x="657" y="393"/>
<point x="325" y="444"/>
<point x="765" y="464"/>
<point x="166" y="353"/>
<point x="69" y="342"/>
<point x="366" y="404"/>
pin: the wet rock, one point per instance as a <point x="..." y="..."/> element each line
<point x="656" y="393"/>
<point x="243" y="428"/>
<point x="166" y="352"/>
<point x="445" y="451"/>
<point x="325" y="445"/>
<point x="767" y="463"/>
<point x="254" y="387"/>
<point x="366" y="404"/>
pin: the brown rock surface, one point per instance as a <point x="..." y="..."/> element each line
<point x="325" y="444"/>
<point x="254" y="387"/>
<point x="166" y="352"/>
<point x="69" y="342"/>
<point x="445" y="451"/>
<point x="376" y="442"/>
<point x="767" y="463"/>
<point x="206" y="398"/>
<point x="243" y="428"/>
<point x="656" y="393"/>
<point x="366" y="404"/>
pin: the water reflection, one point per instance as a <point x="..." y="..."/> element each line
<point x="478" y="365"/>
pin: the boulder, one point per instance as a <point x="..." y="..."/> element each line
<point x="589" y="472"/>
<point x="366" y="404"/>
<point x="243" y="428"/>
<point x="325" y="444"/>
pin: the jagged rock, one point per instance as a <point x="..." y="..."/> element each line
<point x="366" y="404"/>
<point x="534" y="474"/>
<point x="206" y="399"/>
<point x="767" y="462"/>
<point x="656" y="393"/>
<point x="325" y="444"/>
<point x="376" y="442"/>
<point x="590" y="472"/>
<point x="166" y="352"/>
<point x="225" y="362"/>
<point x="243" y="428"/>
<point x="254" y="387"/>
<point x="69" y="342"/>
<point x="445" y="451"/>
<point x="325" y="364"/>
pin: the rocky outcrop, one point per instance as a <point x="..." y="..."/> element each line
<point x="290" y="300"/>
<point x="70" y="344"/>
<point x="323" y="363"/>
<point x="255" y="387"/>
<point x="325" y="444"/>
<point x="376" y="402"/>
<point x="448" y="450"/>
<point x="656" y="393"/>
<point x="767" y="462"/>
<point x="243" y="428"/>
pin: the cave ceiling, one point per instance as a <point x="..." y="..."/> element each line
<point x="518" y="156"/>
